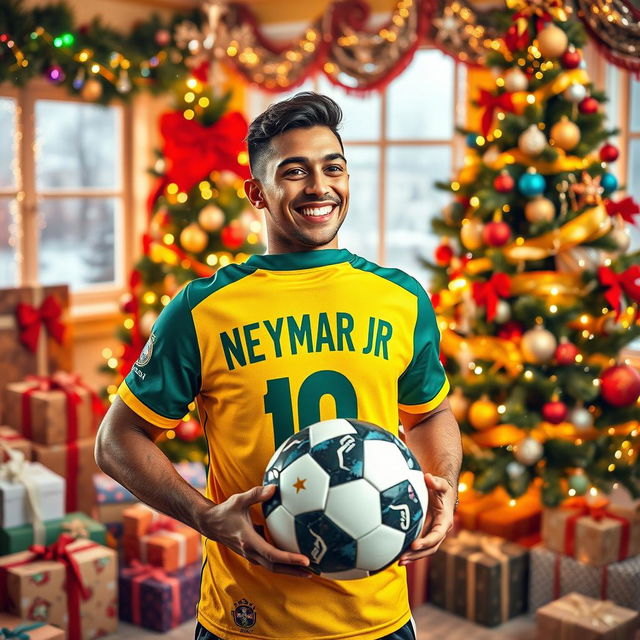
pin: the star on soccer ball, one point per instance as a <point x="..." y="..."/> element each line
<point x="299" y="485"/>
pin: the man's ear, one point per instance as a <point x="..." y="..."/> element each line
<point x="254" y="193"/>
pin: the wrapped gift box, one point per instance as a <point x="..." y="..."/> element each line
<point x="14" y="440"/>
<point x="53" y="350"/>
<point x="22" y="629"/>
<point x="578" y="617"/>
<point x="593" y="536"/>
<point x="154" y="599"/>
<point x="472" y="504"/>
<point x="76" y="463"/>
<point x="512" y="521"/>
<point x="479" y="577"/>
<point x="193" y="472"/>
<point x="418" y="582"/>
<point x="554" y="575"/>
<point x="49" y="489"/>
<point x="84" y="604"/>
<point x="42" y="411"/>
<point x="78" y="525"/>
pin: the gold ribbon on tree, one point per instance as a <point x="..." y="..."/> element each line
<point x="544" y="9"/>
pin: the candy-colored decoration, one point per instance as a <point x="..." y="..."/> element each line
<point x="609" y="153"/>
<point x="539" y="209"/>
<point x="620" y="385"/>
<point x="232" y="236"/>
<point x="554" y="412"/>
<point x="471" y="234"/>
<point x="528" y="451"/>
<point x="211" y="218"/>
<point x="193" y="238"/>
<point x="566" y="353"/>
<point x="483" y="414"/>
<point x="496" y="234"/>
<point x="531" y="184"/>
<point x="532" y="141"/>
<point x="538" y="345"/>
<point x="565" y="134"/>
<point x="552" y="41"/>
<point x="589" y="105"/>
<point x="503" y="183"/>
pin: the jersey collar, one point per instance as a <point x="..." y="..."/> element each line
<point x="299" y="260"/>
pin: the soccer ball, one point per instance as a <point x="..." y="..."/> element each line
<point x="351" y="497"/>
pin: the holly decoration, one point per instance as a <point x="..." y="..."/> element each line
<point x="620" y="385"/>
<point x="496" y="234"/>
<point x="554" y="412"/>
<point x="503" y="182"/>
<point x="566" y="353"/>
<point x="609" y="153"/>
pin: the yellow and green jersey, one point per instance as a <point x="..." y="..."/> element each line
<point x="269" y="347"/>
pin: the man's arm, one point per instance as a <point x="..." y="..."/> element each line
<point x="434" y="438"/>
<point x="126" y="451"/>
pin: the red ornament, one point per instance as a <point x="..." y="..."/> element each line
<point x="571" y="58"/>
<point x="609" y="153"/>
<point x="511" y="331"/>
<point x="554" y="412"/>
<point x="620" y="385"/>
<point x="128" y="303"/>
<point x="589" y="105"/>
<point x="496" y="234"/>
<point x="504" y="183"/>
<point x="443" y="254"/>
<point x="189" y="430"/>
<point x="566" y="353"/>
<point x="232" y="236"/>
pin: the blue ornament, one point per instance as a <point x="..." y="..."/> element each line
<point x="471" y="141"/>
<point x="531" y="184"/>
<point x="609" y="182"/>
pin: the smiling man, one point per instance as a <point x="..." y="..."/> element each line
<point x="304" y="333"/>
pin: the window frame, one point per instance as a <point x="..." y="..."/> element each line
<point x="96" y="299"/>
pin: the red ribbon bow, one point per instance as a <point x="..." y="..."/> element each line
<point x="193" y="150"/>
<point x="488" y="293"/>
<point x="627" y="281"/>
<point x="627" y="208"/>
<point x="30" y="320"/>
<point x="162" y="523"/>
<point x="491" y="102"/>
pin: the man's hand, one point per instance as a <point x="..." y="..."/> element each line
<point x="439" y="520"/>
<point x="230" y="524"/>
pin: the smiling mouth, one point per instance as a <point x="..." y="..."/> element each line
<point x="317" y="211"/>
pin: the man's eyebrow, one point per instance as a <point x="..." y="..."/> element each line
<point x="305" y="160"/>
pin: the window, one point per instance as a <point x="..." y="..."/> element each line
<point x="397" y="148"/>
<point x="62" y="193"/>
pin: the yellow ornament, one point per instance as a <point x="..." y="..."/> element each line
<point x="211" y="217"/>
<point x="459" y="404"/>
<point x="565" y="134"/>
<point x="539" y="209"/>
<point x="193" y="238"/>
<point x="552" y="41"/>
<point x="483" y="414"/>
<point x="92" y="90"/>
<point x="471" y="233"/>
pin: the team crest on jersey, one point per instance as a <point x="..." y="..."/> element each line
<point x="145" y="355"/>
<point x="244" y="614"/>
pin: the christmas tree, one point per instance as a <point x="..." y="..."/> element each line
<point x="199" y="221"/>
<point x="535" y="291"/>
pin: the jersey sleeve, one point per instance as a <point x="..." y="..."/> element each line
<point x="423" y="385"/>
<point x="166" y="377"/>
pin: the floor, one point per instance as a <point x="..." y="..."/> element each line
<point x="432" y="623"/>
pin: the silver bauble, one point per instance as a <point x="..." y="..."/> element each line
<point x="503" y="312"/>
<point x="620" y="235"/>
<point x="538" y="345"/>
<point x="528" y="451"/>
<point x="515" y="469"/>
<point x="575" y="93"/>
<point x="580" y="418"/>
<point x="532" y="141"/>
<point x="579" y="259"/>
<point x="515" y="80"/>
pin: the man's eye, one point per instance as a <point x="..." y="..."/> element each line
<point x="335" y="168"/>
<point x="292" y="172"/>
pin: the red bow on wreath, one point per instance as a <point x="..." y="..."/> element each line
<point x="490" y="103"/>
<point x="627" y="281"/>
<point x="30" y="320"/>
<point x="192" y="150"/>
<point x="487" y="294"/>
<point x="627" y="208"/>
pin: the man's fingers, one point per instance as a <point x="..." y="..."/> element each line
<point x="258" y="494"/>
<point x="436" y="483"/>
<point x="274" y="555"/>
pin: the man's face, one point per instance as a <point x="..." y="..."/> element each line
<point x="305" y="190"/>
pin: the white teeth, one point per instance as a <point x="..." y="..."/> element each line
<point x="315" y="211"/>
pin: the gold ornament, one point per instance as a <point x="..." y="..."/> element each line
<point x="532" y="141"/>
<point x="539" y="209"/>
<point x="211" y="217"/>
<point x="459" y="404"/>
<point x="552" y="41"/>
<point x="538" y="345"/>
<point x="565" y="134"/>
<point x="515" y="80"/>
<point x="471" y="233"/>
<point x="483" y="414"/>
<point x="92" y="90"/>
<point x="193" y="238"/>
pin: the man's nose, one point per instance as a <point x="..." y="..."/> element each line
<point x="316" y="183"/>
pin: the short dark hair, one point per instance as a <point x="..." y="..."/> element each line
<point x="305" y="109"/>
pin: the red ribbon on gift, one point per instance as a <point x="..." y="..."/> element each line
<point x="30" y="320"/>
<point x="557" y="579"/>
<point x="487" y="294"/>
<point x="504" y="101"/>
<point x="162" y="523"/>
<point x="627" y="281"/>
<point x="138" y="573"/>
<point x="597" y="511"/>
